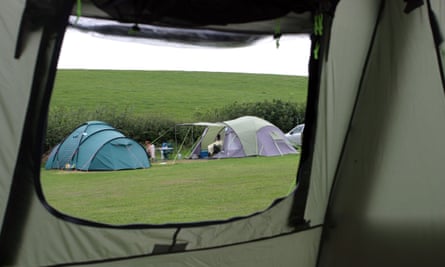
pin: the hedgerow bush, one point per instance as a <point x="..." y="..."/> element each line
<point x="62" y="121"/>
<point x="283" y="114"/>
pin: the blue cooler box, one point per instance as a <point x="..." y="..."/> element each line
<point x="204" y="154"/>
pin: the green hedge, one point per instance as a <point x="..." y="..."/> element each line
<point x="283" y="114"/>
<point x="62" y="121"/>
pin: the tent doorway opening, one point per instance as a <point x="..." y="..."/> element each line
<point x="144" y="88"/>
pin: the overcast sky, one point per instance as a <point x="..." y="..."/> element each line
<point x="93" y="51"/>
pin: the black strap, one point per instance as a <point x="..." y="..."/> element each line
<point x="412" y="4"/>
<point x="320" y="40"/>
<point x="438" y="40"/>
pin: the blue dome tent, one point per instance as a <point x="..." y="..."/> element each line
<point x="95" y="146"/>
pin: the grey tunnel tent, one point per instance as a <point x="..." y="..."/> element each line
<point x="371" y="181"/>
<point x="242" y="137"/>
<point x="97" y="146"/>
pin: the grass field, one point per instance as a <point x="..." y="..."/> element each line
<point x="186" y="191"/>
<point x="170" y="94"/>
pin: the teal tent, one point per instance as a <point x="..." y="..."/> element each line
<point x="95" y="146"/>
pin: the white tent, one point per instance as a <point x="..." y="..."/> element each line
<point x="243" y="137"/>
<point x="370" y="185"/>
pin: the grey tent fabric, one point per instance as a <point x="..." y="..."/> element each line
<point x="371" y="181"/>
<point x="397" y="177"/>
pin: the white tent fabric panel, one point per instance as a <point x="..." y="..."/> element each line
<point x="16" y="76"/>
<point x="389" y="185"/>
<point x="62" y="241"/>
<point x="299" y="249"/>
<point x="49" y="240"/>
<point x="271" y="222"/>
<point x="243" y="126"/>
<point x="232" y="145"/>
<point x="339" y="85"/>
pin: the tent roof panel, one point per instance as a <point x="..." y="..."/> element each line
<point x="231" y="15"/>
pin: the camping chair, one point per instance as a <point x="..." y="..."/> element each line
<point x="166" y="150"/>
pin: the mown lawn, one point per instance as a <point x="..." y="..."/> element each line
<point x="181" y="191"/>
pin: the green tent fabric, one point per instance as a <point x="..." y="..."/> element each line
<point x="370" y="184"/>
<point x="95" y="146"/>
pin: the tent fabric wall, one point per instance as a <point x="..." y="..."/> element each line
<point x="339" y="82"/>
<point x="375" y="179"/>
<point x="288" y="250"/>
<point x="120" y="153"/>
<point x="92" y="146"/>
<point x="67" y="150"/>
<point x="387" y="192"/>
<point x="232" y="145"/>
<point x="279" y="145"/>
<point x="97" y="146"/>
<point x="16" y="78"/>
